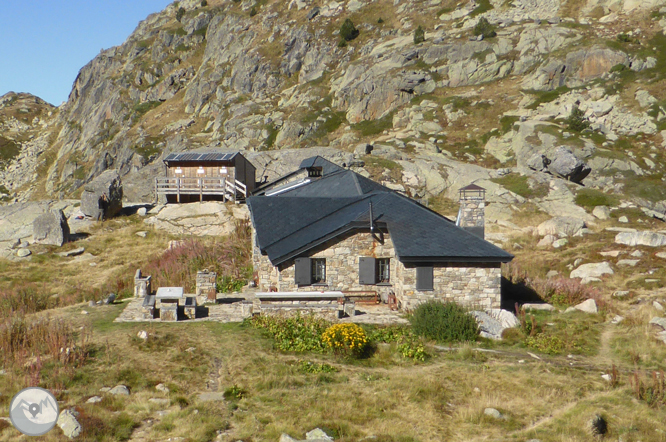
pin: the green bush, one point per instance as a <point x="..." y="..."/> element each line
<point x="297" y="333"/>
<point x="419" y="35"/>
<point x="204" y="3"/>
<point x="546" y="343"/>
<point x="577" y="121"/>
<point x="380" y="20"/>
<point x="348" y="31"/>
<point x="444" y="322"/>
<point x="483" y="27"/>
<point x="179" y="13"/>
<point x="253" y="11"/>
<point x="593" y="197"/>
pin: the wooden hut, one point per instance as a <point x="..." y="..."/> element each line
<point x="206" y="176"/>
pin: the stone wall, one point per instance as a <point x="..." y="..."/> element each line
<point x="476" y="285"/>
<point x="473" y="284"/>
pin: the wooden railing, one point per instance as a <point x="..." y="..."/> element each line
<point x="201" y="186"/>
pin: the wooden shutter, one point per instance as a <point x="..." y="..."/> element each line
<point x="424" y="278"/>
<point x="303" y="275"/>
<point x="366" y="271"/>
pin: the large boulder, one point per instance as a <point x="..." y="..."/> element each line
<point x="565" y="164"/>
<point x="102" y="198"/>
<point x="650" y="239"/>
<point x="592" y="271"/>
<point x="51" y="228"/>
<point x="561" y="226"/>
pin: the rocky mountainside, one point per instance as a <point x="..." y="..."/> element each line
<point x="554" y="106"/>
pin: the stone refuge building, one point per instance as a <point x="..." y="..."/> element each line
<point x="326" y="228"/>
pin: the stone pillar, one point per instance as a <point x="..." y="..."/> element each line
<point x="471" y="212"/>
<point x="142" y="286"/>
<point x="206" y="284"/>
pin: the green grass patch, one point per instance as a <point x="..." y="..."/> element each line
<point x="373" y="127"/>
<point x="507" y="123"/>
<point x="143" y="108"/>
<point x="9" y="150"/>
<point x="546" y="96"/>
<point x="651" y="187"/>
<point x="520" y="185"/>
<point x="593" y="197"/>
<point x="483" y="6"/>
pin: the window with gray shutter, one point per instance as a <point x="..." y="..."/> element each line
<point x="424" y="278"/>
<point x="366" y="271"/>
<point x="302" y="271"/>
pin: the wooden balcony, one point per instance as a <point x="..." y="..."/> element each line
<point x="230" y="190"/>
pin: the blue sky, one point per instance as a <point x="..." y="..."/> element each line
<point x="44" y="43"/>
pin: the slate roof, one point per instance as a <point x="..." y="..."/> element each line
<point x="293" y="222"/>
<point x="327" y="168"/>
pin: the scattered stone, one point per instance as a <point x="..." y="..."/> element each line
<point x="658" y="306"/>
<point x="601" y="212"/>
<point x="313" y="13"/>
<point x="617" y="319"/>
<point x="22" y="253"/>
<point x="92" y="303"/>
<point x="623" y="219"/>
<point x="83" y="312"/>
<point x="561" y="226"/>
<point x="578" y="262"/>
<point x="494" y="413"/>
<point x="110" y="299"/>
<point x="51" y="228"/>
<point x="552" y="273"/>
<point x="94" y="400"/>
<point x="659" y="322"/>
<point x="606" y="377"/>
<point x="620" y="294"/>
<point x="628" y="262"/>
<point x="611" y="254"/>
<point x="490" y="327"/>
<point x="505" y="317"/>
<point x="142" y="335"/>
<point x="318" y="434"/>
<point x="67" y="422"/>
<point x="637" y="254"/>
<point x="142" y="211"/>
<point x="120" y="390"/>
<point x="546" y="241"/>
<point x="644" y="238"/>
<point x="661" y="255"/>
<point x="534" y="306"/>
<point x="560" y="243"/>
<point x="161" y="387"/>
<point x="587" y="306"/>
<point x="142" y="234"/>
<point x="102" y="197"/>
<point x="104" y="389"/>
<point x="286" y="438"/>
<point x="73" y="252"/>
<point x="591" y="270"/>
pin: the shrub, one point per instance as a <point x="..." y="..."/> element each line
<point x="545" y="343"/>
<point x="444" y="322"/>
<point x="342" y="43"/>
<point x="411" y="347"/>
<point x="345" y="339"/>
<point x="253" y="11"/>
<point x="348" y="31"/>
<point x="297" y="333"/>
<point x="651" y="390"/>
<point x="380" y="20"/>
<point x="483" y="27"/>
<point x="179" y="13"/>
<point x="234" y="393"/>
<point x="204" y="3"/>
<point x="419" y="35"/>
<point x="576" y="120"/>
<point x="315" y="368"/>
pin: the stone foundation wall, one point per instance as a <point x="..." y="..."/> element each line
<point x="473" y="284"/>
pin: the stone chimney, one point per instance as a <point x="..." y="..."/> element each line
<point x="472" y="204"/>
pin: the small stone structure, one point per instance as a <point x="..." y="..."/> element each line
<point x="142" y="285"/>
<point x="51" y="228"/>
<point x="471" y="213"/>
<point x="206" y="285"/>
<point x="102" y="197"/>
